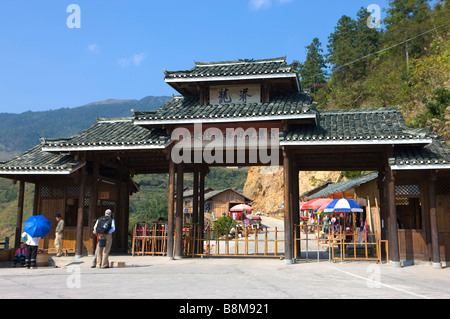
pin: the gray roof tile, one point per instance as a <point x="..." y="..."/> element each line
<point x="344" y="186"/>
<point x="436" y="154"/>
<point x="234" y="68"/>
<point x="181" y="109"/>
<point x="106" y="133"/>
<point x="36" y="161"/>
<point x="354" y="125"/>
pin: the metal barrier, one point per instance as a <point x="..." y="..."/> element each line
<point x="248" y="242"/>
<point x="311" y="242"/>
<point x="149" y="239"/>
<point x="319" y="242"/>
<point x="353" y="246"/>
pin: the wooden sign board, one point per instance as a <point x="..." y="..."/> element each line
<point x="103" y="195"/>
<point x="237" y="94"/>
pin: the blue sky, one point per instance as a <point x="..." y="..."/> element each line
<point x="122" y="46"/>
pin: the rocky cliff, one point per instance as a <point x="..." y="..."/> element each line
<point x="265" y="185"/>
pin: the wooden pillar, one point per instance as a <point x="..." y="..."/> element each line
<point x="296" y="207"/>
<point x="93" y="209"/>
<point x="19" y="218"/>
<point x="425" y="199"/>
<point x="79" y="234"/>
<point x="392" y="225"/>
<point x="436" y="257"/>
<point x="195" y="198"/>
<point x="382" y="204"/>
<point x="288" y="209"/>
<point x="36" y="199"/>
<point x="126" y="213"/>
<point x="179" y="213"/>
<point x="170" y="210"/>
<point x="201" y="206"/>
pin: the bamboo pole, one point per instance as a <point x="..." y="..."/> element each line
<point x="276" y="241"/>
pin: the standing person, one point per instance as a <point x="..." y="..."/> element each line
<point x="104" y="226"/>
<point x="59" y="235"/>
<point x="32" y="248"/>
<point x="20" y="255"/>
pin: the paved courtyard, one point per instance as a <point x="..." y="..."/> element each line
<point x="223" y="278"/>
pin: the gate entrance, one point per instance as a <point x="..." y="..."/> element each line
<point x="250" y="241"/>
<point x="312" y="243"/>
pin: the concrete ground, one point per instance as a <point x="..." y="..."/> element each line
<point x="222" y="278"/>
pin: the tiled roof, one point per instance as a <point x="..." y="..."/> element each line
<point x="355" y="126"/>
<point x="246" y="68"/>
<point x="213" y="194"/>
<point x="344" y="186"/>
<point x="117" y="134"/>
<point x="433" y="156"/>
<point x="186" y="110"/>
<point x="37" y="162"/>
<point x="316" y="189"/>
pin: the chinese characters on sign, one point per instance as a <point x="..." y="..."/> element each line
<point x="235" y="94"/>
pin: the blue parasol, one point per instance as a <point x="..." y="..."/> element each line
<point x="343" y="206"/>
<point x="37" y="226"/>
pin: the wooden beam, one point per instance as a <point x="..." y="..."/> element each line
<point x="201" y="211"/>
<point x="179" y="214"/>
<point x="79" y="233"/>
<point x="394" y="253"/>
<point x="296" y="206"/>
<point x="19" y="218"/>
<point x="93" y="208"/>
<point x="436" y="257"/>
<point x="424" y="197"/>
<point x="195" y="197"/>
<point x="36" y="199"/>
<point x="201" y="204"/>
<point x="288" y="209"/>
<point x="170" y="210"/>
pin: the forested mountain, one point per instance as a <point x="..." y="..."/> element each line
<point x="404" y="63"/>
<point x="20" y="132"/>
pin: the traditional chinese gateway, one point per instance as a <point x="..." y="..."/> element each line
<point x="262" y="100"/>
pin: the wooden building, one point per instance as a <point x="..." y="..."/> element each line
<point x="219" y="203"/>
<point x="253" y="100"/>
<point x="417" y="172"/>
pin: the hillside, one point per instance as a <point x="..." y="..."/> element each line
<point x="20" y="132"/>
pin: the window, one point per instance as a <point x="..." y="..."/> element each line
<point x="409" y="206"/>
<point x="71" y="213"/>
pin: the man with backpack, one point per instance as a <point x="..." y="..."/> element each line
<point x="104" y="227"/>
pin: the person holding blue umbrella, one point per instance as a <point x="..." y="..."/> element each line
<point x="35" y="228"/>
<point x="32" y="248"/>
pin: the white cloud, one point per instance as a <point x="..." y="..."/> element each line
<point x="264" y="4"/>
<point x="94" y="48"/>
<point x="135" y="60"/>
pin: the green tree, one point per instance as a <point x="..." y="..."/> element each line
<point x="341" y="50"/>
<point x="313" y="70"/>
<point x="224" y="225"/>
<point x="406" y="19"/>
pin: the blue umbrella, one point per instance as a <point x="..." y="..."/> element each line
<point x="37" y="226"/>
<point x="343" y="206"/>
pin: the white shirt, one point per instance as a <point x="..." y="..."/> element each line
<point x="31" y="241"/>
